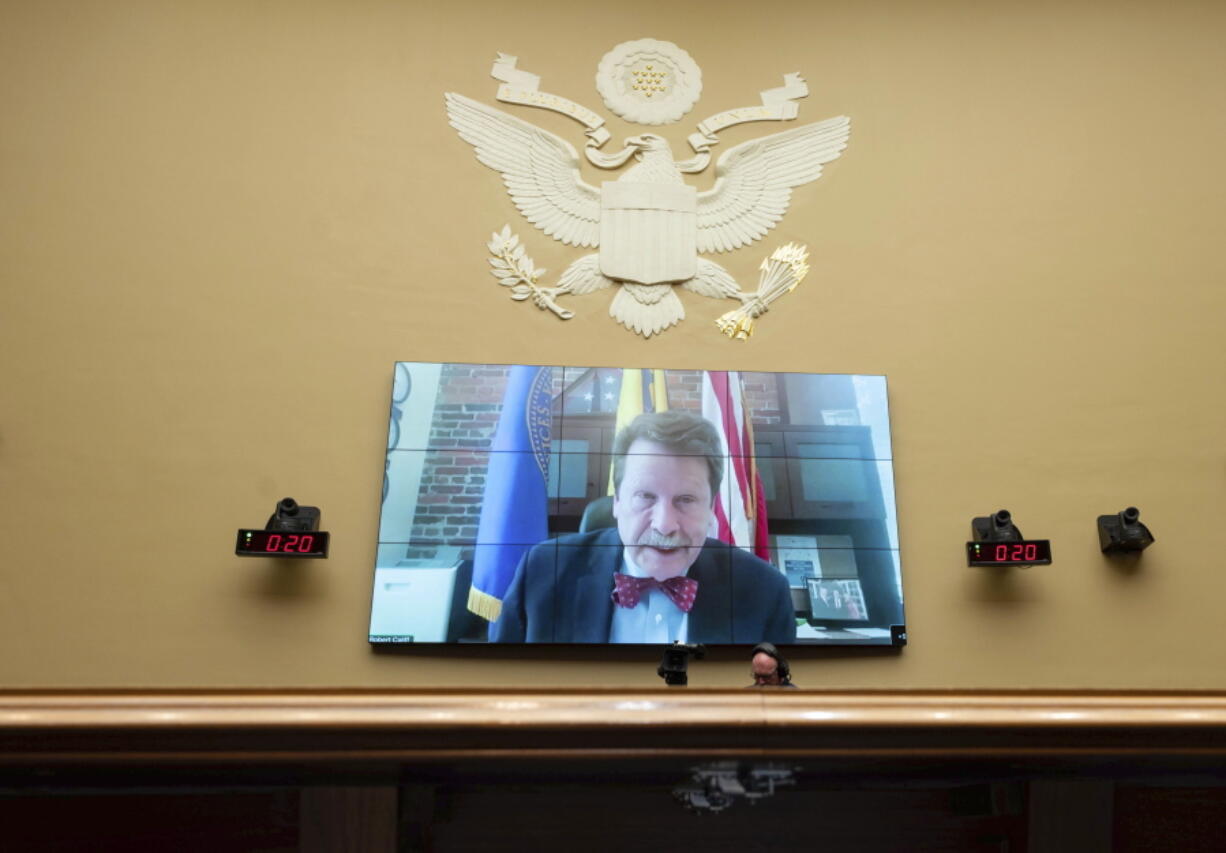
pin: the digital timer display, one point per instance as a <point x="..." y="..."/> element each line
<point x="1027" y="552"/>
<point x="281" y="543"/>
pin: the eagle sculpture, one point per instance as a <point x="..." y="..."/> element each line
<point x="650" y="226"/>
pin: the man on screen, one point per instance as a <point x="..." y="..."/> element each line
<point x="656" y="577"/>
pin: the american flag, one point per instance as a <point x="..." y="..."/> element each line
<point x="740" y="507"/>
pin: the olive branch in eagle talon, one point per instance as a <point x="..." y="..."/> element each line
<point x="514" y="269"/>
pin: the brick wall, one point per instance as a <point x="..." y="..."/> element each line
<point x="762" y="397"/>
<point x="761" y="394"/>
<point x="684" y="389"/>
<point x="453" y="477"/>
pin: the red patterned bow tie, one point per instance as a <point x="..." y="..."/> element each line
<point x="680" y="590"/>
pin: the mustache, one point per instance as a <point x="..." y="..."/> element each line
<point x="652" y="539"/>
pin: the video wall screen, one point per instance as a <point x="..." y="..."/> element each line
<point x="537" y="504"/>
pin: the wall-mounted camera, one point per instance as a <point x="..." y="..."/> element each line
<point x="290" y="515"/>
<point x="1123" y="532"/>
<point x="998" y="527"/>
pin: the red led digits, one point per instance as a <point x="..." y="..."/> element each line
<point x="254" y="543"/>
<point x="1016" y="552"/>
<point x="289" y="544"/>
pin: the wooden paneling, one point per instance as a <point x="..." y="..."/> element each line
<point x="141" y="822"/>
<point x="339" y="819"/>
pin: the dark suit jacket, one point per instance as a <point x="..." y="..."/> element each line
<point x="561" y="593"/>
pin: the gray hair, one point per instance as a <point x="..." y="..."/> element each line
<point x="682" y="433"/>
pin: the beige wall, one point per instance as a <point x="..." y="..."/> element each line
<point x="220" y="223"/>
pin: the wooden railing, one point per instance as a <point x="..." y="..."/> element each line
<point x="100" y="727"/>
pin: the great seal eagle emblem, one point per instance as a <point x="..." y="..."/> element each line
<point x="649" y="226"/>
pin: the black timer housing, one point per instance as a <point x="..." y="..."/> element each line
<point x="292" y="531"/>
<point x="1023" y="552"/>
<point x="998" y="542"/>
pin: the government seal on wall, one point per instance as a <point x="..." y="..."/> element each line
<point x="649" y="225"/>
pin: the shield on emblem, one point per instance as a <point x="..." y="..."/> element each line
<point x="648" y="232"/>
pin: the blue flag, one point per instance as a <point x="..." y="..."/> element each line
<point x="515" y="510"/>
